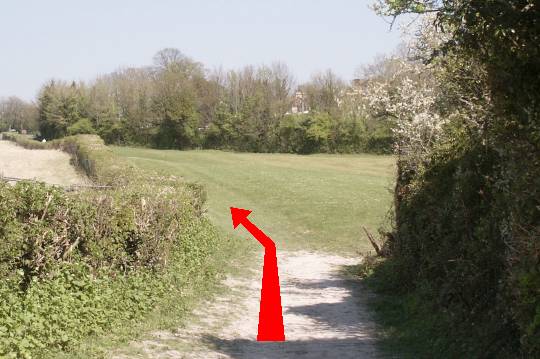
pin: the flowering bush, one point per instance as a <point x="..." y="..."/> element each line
<point x="465" y="247"/>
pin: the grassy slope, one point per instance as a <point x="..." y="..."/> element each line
<point x="316" y="202"/>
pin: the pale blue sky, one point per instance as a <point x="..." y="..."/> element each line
<point x="69" y="39"/>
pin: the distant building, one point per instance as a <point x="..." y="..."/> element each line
<point x="299" y="104"/>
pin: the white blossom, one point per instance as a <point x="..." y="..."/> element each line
<point x="409" y="96"/>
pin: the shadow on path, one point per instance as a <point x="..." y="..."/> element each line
<point x="330" y="325"/>
<point x="324" y="313"/>
<point x="317" y="348"/>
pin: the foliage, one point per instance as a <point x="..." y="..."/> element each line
<point x="60" y="106"/>
<point x="16" y="114"/>
<point x="82" y="126"/>
<point x="467" y="207"/>
<point x="27" y="141"/>
<point x="76" y="264"/>
<point x="178" y="104"/>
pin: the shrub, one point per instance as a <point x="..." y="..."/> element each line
<point x="75" y="264"/>
<point x="82" y="126"/>
<point x="466" y="247"/>
<point x="27" y="141"/>
<point x="467" y="195"/>
<point x="380" y="143"/>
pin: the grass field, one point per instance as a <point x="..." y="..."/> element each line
<point x="317" y="202"/>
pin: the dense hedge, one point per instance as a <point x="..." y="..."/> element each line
<point x="465" y="251"/>
<point x="27" y="141"/>
<point x="75" y="264"/>
<point x="309" y="133"/>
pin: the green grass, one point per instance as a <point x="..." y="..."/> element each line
<point x="316" y="202"/>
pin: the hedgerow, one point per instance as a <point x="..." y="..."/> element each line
<point x="27" y="141"/>
<point x="75" y="264"/>
<point x="465" y="253"/>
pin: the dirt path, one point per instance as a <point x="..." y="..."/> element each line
<point x="324" y="317"/>
<point x="51" y="166"/>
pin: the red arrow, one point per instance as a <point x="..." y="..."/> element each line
<point x="270" y="313"/>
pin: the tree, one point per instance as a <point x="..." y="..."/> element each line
<point x="177" y="103"/>
<point x="123" y="109"/>
<point x="60" y="106"/>
<point x="257" y="99"/>
<point x="174" y="106"/>
<point x="324" y="92"/>
<point x="82" y="126"/>
<point x="18" y="115"/>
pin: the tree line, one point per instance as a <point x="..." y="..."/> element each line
<point x="18" y="115"/>
<point x="177" y="103"/>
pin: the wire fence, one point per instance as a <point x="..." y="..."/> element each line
<point x="71" y="187"/>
